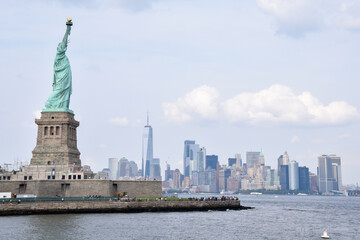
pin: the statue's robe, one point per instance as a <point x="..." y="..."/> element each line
<point x="59" y="99"/>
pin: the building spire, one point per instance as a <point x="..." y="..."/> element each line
<point x="147" y="118"/>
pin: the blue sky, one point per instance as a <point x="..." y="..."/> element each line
<point x="235" y="76"/>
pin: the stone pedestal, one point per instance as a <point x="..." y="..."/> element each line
<point x="56" y="140"/>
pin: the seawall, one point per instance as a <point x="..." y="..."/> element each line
<point x="28" y="208"/>
<point x="82" y="188"/>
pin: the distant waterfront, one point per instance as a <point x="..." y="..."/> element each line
<point x="274" y="217"/>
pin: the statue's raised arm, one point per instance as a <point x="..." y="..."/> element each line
<point x="64" y="43"/>
<point x="59" y="99"/>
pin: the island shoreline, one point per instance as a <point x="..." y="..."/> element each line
<point x="79" y="207"/>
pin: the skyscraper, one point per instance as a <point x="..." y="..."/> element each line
<point x="329" y="173"/>
<point x="113" y="166"/>
<point x="212" y="181"/>
<point x="336" y="163"/>
<point x="224" y="174"/>
<point x="280" y="162"/>
<point x="261" y="158"/>
<point x="147" y="149"/>
<point x="231" y="161"/>
<point x="195" y="178"/>
<point x="284" y="177"/>
<point x="313" y="182"/>
<point x="177" y="179"/>
<point x="155" y="170"/>
<point x="286" y="158"/>
<point x="133" y="169"/>
<point x="168" y="173"/>
<point x="123" y="167"/>
<point x="211" y="161"/>
<point x="202" y="159"/>
<point x="238" y="161"/>
<point x="304" y="179"/>
<point x="293" y="175"/>
<point x="283" y="160"/>
<point x="252" y="158"/>
<point x="191" y="162"/>
<point x="272" y="180"/>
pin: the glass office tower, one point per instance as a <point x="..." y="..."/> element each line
<point x="293" y="175"/>
<point x="147" y="150"/>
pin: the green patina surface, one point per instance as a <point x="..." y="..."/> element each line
<point x="59" y="99"/>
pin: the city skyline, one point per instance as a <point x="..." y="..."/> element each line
<point x="194" y="156"/>
<point x="254" y="175"/>
<point x="287" y="176"/>
<point x="260" y="75"/>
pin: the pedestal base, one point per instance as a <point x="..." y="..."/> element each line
<point x="56" y="140"/>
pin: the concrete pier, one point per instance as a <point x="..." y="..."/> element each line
<point x="28" y="208"/>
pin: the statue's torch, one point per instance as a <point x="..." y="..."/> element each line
<point x="69" y="22"/>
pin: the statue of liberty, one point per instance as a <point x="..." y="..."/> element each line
<point x="59" y="99"/>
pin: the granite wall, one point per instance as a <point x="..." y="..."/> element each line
<point x="81" y="188"/>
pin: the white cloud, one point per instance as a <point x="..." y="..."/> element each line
<point x="279" y="104"/>
<point x="295" y="139"/>
<point x="283" y="8"/>
<point x="37" y="114"/>
<point x="120" y="121"/>
<point x="276" y="104"/>
<point x="200" y="102"/>
<point x="294" y="17"/>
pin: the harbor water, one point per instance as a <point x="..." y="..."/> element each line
<point x="274" y="217"/>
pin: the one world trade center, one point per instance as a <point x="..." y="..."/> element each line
<point x="147" y="150"/>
